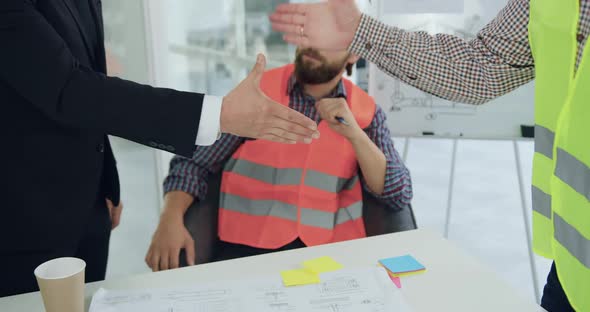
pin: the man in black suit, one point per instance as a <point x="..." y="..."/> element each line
<point x="52" y="76"/>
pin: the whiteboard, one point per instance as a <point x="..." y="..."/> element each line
<point x="411" y="112"/>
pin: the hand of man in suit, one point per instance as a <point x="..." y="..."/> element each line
<point x="247" y="112"/>
<point x="114" y="213"/>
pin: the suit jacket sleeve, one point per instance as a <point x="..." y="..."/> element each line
<point x="37" y="64"/>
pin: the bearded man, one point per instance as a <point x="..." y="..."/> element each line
<point x="277" y="197"/>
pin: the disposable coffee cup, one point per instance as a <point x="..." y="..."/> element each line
<point x="61" y="282"/>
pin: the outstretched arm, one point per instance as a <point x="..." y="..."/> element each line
<point x="496" y="62"/>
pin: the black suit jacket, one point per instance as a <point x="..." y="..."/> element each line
<point x="54" y="92"/>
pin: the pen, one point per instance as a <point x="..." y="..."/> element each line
<point x="342" y="121"/>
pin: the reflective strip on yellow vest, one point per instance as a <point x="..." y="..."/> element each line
<point x="561" y="173"/>
<point x="544" y="139"/>
<point x="541" y="202"/>
<point x="573" y="172"/>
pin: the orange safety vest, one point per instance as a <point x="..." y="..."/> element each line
<point x="273" y="193"/>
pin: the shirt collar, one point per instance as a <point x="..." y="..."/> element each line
<point x="294" y="86"/>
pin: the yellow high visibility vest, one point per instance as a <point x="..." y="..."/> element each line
<point x="561" y="171"/>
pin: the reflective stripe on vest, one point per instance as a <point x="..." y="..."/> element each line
<point x="329" y="183"/>
<point x="275" y="208"/>
<point x="541" y="202"/>
<point x="573" y="172"/>
<point x="329" y="221"/>
<point x="290" y="176"/>
<point x="270" y="175"/>
<point x="544" y="139"/>
<point x="572" y="240"/>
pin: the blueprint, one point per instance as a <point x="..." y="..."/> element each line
<point x="366" y="289"/>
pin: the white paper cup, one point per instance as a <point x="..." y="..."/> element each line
<point x="61" y="282"/>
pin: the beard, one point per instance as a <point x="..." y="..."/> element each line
<point x="307" y="72"/>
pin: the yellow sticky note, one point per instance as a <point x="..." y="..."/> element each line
<point x="299" y="277"/>
<point x="322" y="265"/>
<point x="402" y="274"/>
<point x="408" y="273"/>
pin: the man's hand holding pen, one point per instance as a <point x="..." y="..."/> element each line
<point x="337" y="114"/>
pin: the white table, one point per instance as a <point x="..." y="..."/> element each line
<point x="454" y="281"/>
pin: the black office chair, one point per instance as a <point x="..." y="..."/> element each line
<point x="201" y="221"/>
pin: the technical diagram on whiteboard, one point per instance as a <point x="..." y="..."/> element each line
<point x="404" y="96"/>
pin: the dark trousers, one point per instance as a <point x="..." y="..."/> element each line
<point x="228" y="251"/>
<point x="554" y="298"/>
<point x="17" y="268"/>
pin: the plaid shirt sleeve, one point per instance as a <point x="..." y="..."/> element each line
<point x="496" y="62"/>
<point x="191" y="175"/>
<point x="397" y="191"/>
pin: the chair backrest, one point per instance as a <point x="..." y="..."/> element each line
<point x="382" y="219"/>
<point x="201" y="220"/>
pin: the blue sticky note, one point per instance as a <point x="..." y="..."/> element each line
<point x="402" y="264"/>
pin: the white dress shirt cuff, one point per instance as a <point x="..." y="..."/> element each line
<point x="210" y="118"/>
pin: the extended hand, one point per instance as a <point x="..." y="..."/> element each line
<point x="329" y="109"/>
<point x="327" y="26"/>
<point x="248" y="112"/>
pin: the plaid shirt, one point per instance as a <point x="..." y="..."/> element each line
<point x="496" y="62"/>
<point x="190" y="174"/>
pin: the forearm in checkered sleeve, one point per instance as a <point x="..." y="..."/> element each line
<point x="496" y="62"/>
<point x="397" y="191"/>
<point x="191" y="175"/>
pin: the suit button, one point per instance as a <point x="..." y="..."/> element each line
<point x="368" y="46"/>
<point x="153" y="144"/>
<point x="580" y="38"/>
<point x="170" y="148"/>
<point x="100" y="148"/>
